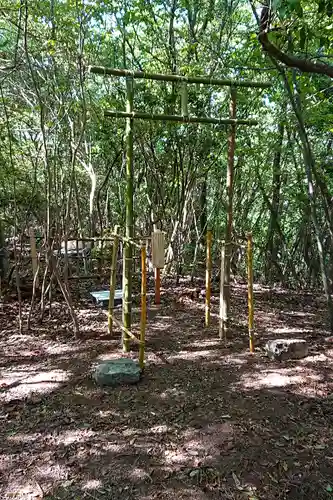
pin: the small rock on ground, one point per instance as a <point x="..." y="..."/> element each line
<point x="117" y="372"/>
<point x="283" y="349"/>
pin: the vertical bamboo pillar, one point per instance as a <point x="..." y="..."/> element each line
<point x="157" y="285"/>
<point x="128" y="257"/>
<point x="113" y="278"/>
<point x="34" y="256"/>
<point x="208" y="276"/>
<point x="184" y="99"/>
<point x="221" y="311"/>
<point x="228" y="232"/>
<point x="250" y="289"/>
<point x="143" y="319"/>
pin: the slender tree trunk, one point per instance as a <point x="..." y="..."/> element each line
<point x="272" y="239"/>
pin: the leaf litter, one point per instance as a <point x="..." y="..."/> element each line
<point x="208" y="421"/>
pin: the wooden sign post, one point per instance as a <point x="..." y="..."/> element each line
<point x="158" y="244"/>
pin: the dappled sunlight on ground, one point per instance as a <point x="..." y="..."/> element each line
<point x="275" y="378"/>
<point x="22" y="384"/>
<point x="193" y="356"/>
<point x="291" y="332"/>
<point x="208" y="421"/>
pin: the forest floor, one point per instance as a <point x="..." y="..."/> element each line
<point x="207" y="421"/>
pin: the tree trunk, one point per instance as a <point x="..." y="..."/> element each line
<point x="309" y="168"/>
<point x="272" y="238"/>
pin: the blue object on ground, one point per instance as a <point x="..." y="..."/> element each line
<point x="101" y="297"/>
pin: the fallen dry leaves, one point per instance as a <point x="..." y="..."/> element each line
<point x="208" y="421"/>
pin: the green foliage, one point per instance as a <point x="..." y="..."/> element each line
<point x="59" y="154"/>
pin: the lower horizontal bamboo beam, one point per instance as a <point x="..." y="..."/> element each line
<point x="178" y="118"/>
<point x="125" y="330"/>
<point x="88" y="277"/>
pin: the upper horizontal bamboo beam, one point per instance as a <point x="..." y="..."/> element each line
<point x="178" y="118"/>
<point x="101" y="70"/>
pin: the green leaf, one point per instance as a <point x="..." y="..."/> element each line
<point x="329" y="488"/>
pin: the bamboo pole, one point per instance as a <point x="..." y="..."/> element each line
<point x="250" y="289"/>
<point x="184" y="99"/>
<point x="221" y="310"/>
<point x="143" y="320"/>
<point x="125" y="330"/>
<point x="34" y="257"/>
<point x="229" y="222"/>
<point x="157" y="285"/>
<point x="113" y="278"/>
<point x="223" y="82"/>
<point x="208" y="276"/>
<point x="178" y="118"/>
<point x="128" y="250"/>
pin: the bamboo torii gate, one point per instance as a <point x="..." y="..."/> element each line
<point x="130" y="115"/>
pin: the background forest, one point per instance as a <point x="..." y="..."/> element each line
<point x="62" y="163"/>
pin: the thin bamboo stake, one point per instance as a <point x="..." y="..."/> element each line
<point x="250" y="289"/>
<point x="208" y="277"/>
<point x="143" y="319"/>
<point x="221" y="310"/>
<point x="34" y="257"/>
<point x="157" y="285"/>
<point x="178" y="118"/>
<point x="113" y="278"/>
<point x="101" y="70"/>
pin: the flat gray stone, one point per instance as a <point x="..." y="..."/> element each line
<point x="282" y="349"/>
<point x="117" y="372"/>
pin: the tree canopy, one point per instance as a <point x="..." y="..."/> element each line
<point x="62" y="163"/>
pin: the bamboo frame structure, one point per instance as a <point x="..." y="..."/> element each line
<point x="179" y="118"/>
<point x="208" y="277"/>
<point x="113" y="278"/>
<point x="101" y="70"/>
<point x="130" y="115"/>
<point x="250" y="289"/>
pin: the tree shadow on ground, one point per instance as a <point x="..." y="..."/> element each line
<point x="206" y="422"/>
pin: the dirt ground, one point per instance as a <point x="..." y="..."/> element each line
<point x="207" y="421"/>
